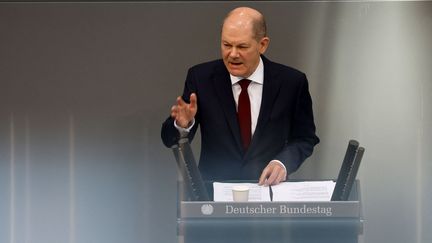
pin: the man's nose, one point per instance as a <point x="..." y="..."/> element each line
<point x="234" y="53"/>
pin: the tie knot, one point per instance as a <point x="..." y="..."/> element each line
<point x="244" y="83"/>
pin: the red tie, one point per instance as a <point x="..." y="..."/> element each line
<point x="244" y="114"/>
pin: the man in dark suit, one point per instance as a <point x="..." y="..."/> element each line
<point x="255" y="115"/>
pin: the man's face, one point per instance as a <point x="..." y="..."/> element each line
<point x="240" y="50"/>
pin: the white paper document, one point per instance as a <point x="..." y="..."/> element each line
<point x="305" y="191"/>
<point x="223" y="192"/>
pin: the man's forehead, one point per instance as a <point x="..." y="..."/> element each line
<point x="238" y="21"/>
<point x="236" y="38"/>
<point x="237" y="28"/>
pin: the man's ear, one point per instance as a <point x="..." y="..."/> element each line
<point x="264" y="43"/>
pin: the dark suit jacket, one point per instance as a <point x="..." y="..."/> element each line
<point x="285" y="129"/>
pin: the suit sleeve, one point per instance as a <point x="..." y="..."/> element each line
<point x="169" y="133"/>
<point x="301" y="137"/>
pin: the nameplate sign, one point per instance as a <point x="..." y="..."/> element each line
<point x="337" y="209"/>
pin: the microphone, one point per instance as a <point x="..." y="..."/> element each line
<point x="348" y="171"/>
<point x="189" y="170"/>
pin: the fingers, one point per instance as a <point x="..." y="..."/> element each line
<point x="174" y="111"/>
<point x="180" y="101"/>
<point x="192" y="104"/>
<point x="193" y="100"/>
<point x="272" y="179"/>
<point x="264" y="176"/>
<point x="273" y="174"/>
<point x="184" y="112"/>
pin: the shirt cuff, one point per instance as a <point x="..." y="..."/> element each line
<point x="182" y="129"/>
<point x="278" y="161"/>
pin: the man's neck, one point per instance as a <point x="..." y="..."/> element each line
<point x="257" y="76"/>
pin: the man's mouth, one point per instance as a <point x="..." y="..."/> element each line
<point x="236" y="63"/>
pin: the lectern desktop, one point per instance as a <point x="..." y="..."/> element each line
<point x="206" y="221"/>
<point x="303" y="222"/>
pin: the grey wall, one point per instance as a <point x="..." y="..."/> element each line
<point x="84" y="88"/>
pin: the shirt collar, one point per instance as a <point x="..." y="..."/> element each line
<point x="257" y="76"/>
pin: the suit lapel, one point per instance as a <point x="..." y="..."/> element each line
<point x="222" y="85"/>
<point x="270" y="91"/>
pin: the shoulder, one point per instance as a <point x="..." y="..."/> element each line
<point x="280" y="69"/>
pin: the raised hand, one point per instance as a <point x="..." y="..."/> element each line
<point x="183" y="113"/>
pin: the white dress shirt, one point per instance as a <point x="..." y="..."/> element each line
<point x="254" y="90"/>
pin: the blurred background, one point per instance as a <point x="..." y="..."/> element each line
<point x="85" y="87"/>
